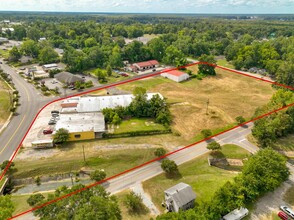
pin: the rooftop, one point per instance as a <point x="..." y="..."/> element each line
<point x="98" y="103"/>
<point x="181" y="194"/>
<point x="176" y="73"/>
<point x="147" y="63"/>
<point x="81" y="122"/>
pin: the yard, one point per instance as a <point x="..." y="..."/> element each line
<point x="139" y="124"/>
<point x="227" y="96"/>
<point x="5" y="102"/>
<point x="68" y="160"/>
<point x="204" y="180"/>
<point x="4" y="53"/>
<point x="124" y="211"/>
<point x="285" y="144"/>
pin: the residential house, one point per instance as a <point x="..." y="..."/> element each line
<point x="179" y="197"/>
<point x="142" y="66"/>
<point x="176" y="75"/>
<point x="67" y="78"/>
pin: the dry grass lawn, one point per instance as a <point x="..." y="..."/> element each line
<point x="229" y="95"/>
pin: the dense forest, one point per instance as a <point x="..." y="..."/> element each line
<point x="91" y="41"/>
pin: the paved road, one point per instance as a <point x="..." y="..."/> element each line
<point x="236" y="136"/>
<point x="131" y="179"/>
<point x="30" y="103"/>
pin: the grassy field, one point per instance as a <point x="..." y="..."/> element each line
<point x="112" y="161"/>
<point x="124" y="211"/>
<point x="233" y="151"/>
<point x="229" y="96"/>
<point x="5" y="103"/>
<point x="138" y="125"/>
<point x="225" y="63"/>
<point x="205" y="180"/>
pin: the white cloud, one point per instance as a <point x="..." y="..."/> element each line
<point x="167" y="6"/>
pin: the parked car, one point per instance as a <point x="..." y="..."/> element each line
<point x="55" y="115"/>
<point x="47" y="131"/>
<point x="287" y="210"/>
<point x="125" y="74"/>
<point x="51" y="122"/>
<point x="283" y="215"/>
<point x="0" y="62"/>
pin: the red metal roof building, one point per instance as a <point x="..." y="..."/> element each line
<point x="146" y="65"/>
<point x="176" y="75"/>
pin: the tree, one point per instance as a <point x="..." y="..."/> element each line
<point x="159" y="152"/>
<point x="157" y="48"/>
<point x="14" y="54"/>
<point x="101" y="75"/>
<point x="78" y="85"/>
<point x="206" y="133"/>
<point x="93" y="203"/>
<point x="173" y="56"/>
<point x="169" y="166"/>
<point x="240" y="120"/>
<point x="115" y="58"/>
<point x="48" y="55"/>
<point x="109" y="70"/>
<point x="35" y="199"/>
<point x="214" y="146"/>
<point x="5" y="164"/>
<point x="116" y="120"/>
<point x="209" y="68"/>
<point x="263" y="172"/>
<point x="98" y="175"/>
<point x="6" y="207"/>
<point x="90" y="42"/>
<point x="30" y="48"/>
<point x="61" y="136"/>
<point x="33" y="33"/>
<point x="134" y="203"/>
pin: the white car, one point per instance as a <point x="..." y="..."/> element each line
<point x="287" y="210"/>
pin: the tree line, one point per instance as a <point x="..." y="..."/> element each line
<point x="140" y="107"/>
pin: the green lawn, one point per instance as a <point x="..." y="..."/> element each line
<point x="145" y="83"/>
<point x="233" y="151"/>
<point x="20" y="203"/>
<point x="138" y="125"/>
<point x="204" y="179"/>
<point x="112" y="162"/>
<point x="285" y="144"/>
<point x="225" y="63"/>
<point x="4" y="53"/>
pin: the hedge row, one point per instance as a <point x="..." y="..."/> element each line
<point x="136" y="133"/>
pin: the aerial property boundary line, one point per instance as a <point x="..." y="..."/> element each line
<point x="155" y="159"/>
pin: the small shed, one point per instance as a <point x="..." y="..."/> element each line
<point x="179" y="197"/>
<point x="176" y="75"/>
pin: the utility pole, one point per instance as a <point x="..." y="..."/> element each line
<point x="71" y="178"/>
<point x="207" y="103"/>
<point x="84" y="154"/>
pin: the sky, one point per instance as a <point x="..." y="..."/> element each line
<point x="153" y="6"/>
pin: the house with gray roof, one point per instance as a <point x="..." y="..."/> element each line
<point x="179" y="197"/>
<point x="67" y="78"/>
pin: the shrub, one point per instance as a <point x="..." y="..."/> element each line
<point x="159" y="152"/>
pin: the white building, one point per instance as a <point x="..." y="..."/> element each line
<point x="176" y="75"/>
<point x="98" y="103"/>
<point x="48" y="67"/>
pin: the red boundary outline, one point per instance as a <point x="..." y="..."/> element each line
<point x="155" y="159"/>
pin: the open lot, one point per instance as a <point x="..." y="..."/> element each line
<point x="204" y="179"/>
<point x="229" y="96"/>
<point x="5" y="102"/>
<point x="137" y="125"/>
